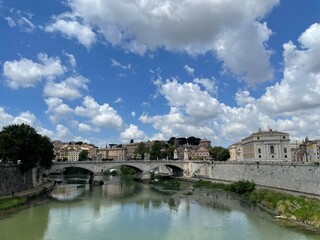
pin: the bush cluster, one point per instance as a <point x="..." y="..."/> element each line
<point x="240" y="187"/>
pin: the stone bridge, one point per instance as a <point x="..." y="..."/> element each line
<point x="143" y="168"/>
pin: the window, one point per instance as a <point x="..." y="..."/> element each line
<point x="285" y="156"/>
<point x="259" y="156"/>
<point x="271" y="149"/>
<point x="258" y="138"/>
<point x="285" y="150"/>
<point x="272" y="156"/>
<point x="284" y="137"/>
<point x="259" y="150"/>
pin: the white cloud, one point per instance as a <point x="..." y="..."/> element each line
<point x="300" y="86"/>
<point x="232" y="32"/>
<point x="101" y="115"/>
<point x="208" y="84"/>
<point x="196" y="103"/>
<point x="73" y="29"/>
<point x="27" y="73"/>
<point x="5" y="118"/>
<point x="119" y="100"/>
<point x="63" y="133"/>
<point x="132" y="132"/>
<point x="189" y="70"/>
<point x="70" y="88"/>
<point x="72" y="60"/>
<point x="86" y="128"/>
<point x="133" y="114"/>
<point x="58" y="111"/>
<point x="21" y="19"/>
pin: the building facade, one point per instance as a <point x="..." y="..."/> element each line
<point x="262" y="146"/>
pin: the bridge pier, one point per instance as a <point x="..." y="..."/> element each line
<point x="98" y="178"/>
<point x="143" y="176"/>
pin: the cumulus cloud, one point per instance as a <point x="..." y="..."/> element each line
<point x="70" y="88"/>
<point x="100" y="115"/>
<point x="208" y="84"/>
<point x="86" y="128"/>
<point x="133" y="113"/>
<point x="232" y="32"/>
<point x="58" y="111"/>
<point x="71" y="28"/>
<point x="24" y="117"/>
<point x="196" y="103"/>
<point x="300" y="86"/>
<point x="26" y="73"/>
<point x="133" y="132"/>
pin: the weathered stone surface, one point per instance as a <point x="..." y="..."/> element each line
<point x="12" y="180"/>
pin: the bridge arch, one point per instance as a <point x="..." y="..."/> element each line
<point x="177" y="170"/>
<point x="61" y="168"/>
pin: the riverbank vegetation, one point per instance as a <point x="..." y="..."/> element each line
<point x="240" y="187"/>
<point x="9" y="203"/>
<point x="284" y="206"/>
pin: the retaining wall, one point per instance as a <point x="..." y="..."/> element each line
<point x="12" y="180"/>
<point x="304" y="178"/>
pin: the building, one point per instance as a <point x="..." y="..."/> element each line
<point x="307" y="151"/>
<point x="235" y="151"/>
<point x="70" y="151"/>
<point x="262" y="146"/>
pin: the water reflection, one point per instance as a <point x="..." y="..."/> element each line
<point x="68" y="192"/>
<point x="128" y="210"/>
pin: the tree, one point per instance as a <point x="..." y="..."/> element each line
<point x="171" y="140"/>
<point x="131" y="141"/>
<point x="155" y="152"/>
<point x="83" y="156"/>
<point x="22" y="142"/>
<point x="182" y="141"/>
<point x="219" y="153"/>
<point x="142" y="149"/>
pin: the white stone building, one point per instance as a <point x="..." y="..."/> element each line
<point x="262" y="146"/>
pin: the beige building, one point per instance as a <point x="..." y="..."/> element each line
<point x="262" y="146"/>
<point x="306" y="151"/>
<point x="235" y="151"/>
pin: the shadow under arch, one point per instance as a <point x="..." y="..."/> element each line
<point x="174" y="171"/>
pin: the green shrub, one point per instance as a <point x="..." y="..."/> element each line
<point x="242" y="187"/>
<point x="12" y="202"/>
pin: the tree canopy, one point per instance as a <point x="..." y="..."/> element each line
<point x="219" y="153"/>
<point x="142" y="149"/>
<point x="83" y="155"/>
<point x="22" y="142"/>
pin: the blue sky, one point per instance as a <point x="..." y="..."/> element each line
<point x="110" y="71"/>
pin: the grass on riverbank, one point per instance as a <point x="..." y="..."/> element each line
<point x="240" y="187"/>
<point x="8" y="203"/>
<point x="298" y="208"/>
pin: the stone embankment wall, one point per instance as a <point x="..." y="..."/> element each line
<point x="12" y="180"/>
<point x="304" y="178"/>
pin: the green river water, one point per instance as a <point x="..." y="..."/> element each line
<point x="127" y="210"/>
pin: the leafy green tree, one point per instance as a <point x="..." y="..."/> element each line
<point x="83" y="156"/>
<point x="125" y="170"/>
<point x="142" y="149"/>
<point x="219" y="153"/>
<point x="22" y="142"/>
<point x="171" y="140"/>
<point x="155" y="151"/>
<point x="182" y="141"/>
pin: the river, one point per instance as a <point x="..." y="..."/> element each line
<point x="128" y="210"/>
